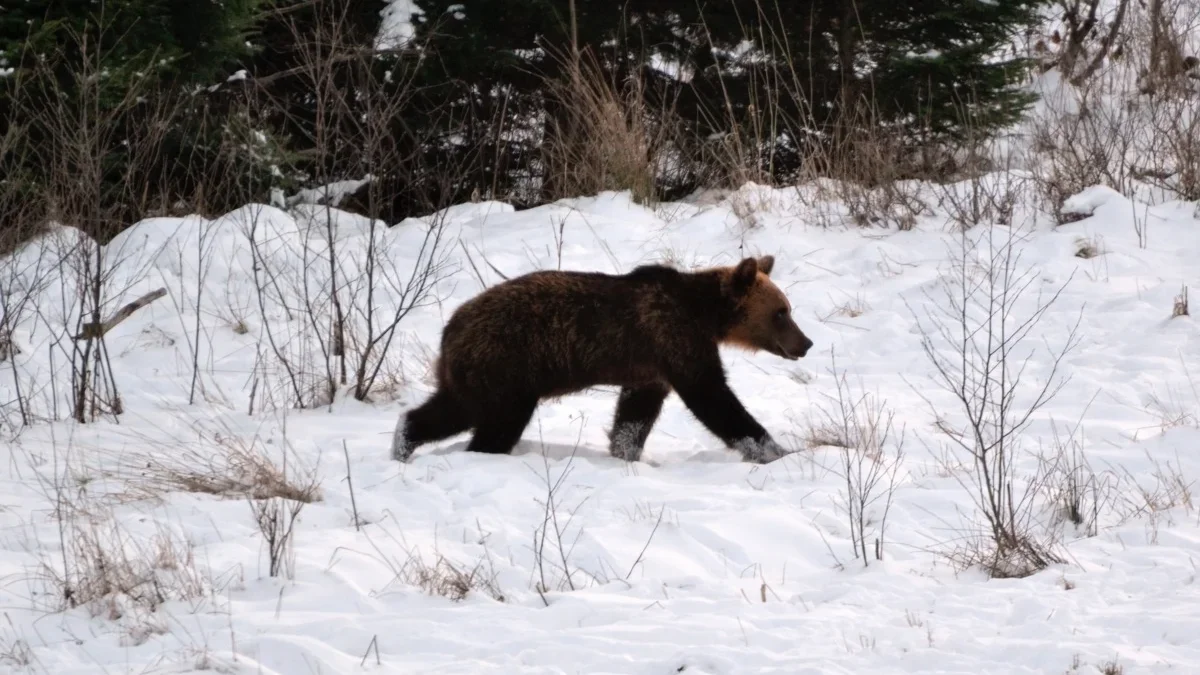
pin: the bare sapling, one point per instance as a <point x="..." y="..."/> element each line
<point x="276" y="519"/>
<point x="272" y="299"/>
<point x="976" y="334"/>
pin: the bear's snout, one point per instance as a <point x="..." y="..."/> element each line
<point x="792" y="344"/>
<point x="798" y="348"/>
<point x="805" y="345"/>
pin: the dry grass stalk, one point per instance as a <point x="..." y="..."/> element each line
<point x="222" y="464"/>
<point x="445" y="579"/>
<point x="111" y="572"/>
<point x="871" y="452"/>
<point x="1087" y="248"/>
<point x="599" y="136"/>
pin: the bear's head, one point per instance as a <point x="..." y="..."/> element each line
<point x="765" y="315"/>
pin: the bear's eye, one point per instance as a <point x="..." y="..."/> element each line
<point x="781" y="315"/>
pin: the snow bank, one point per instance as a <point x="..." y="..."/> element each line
<point x="692" y="562"/>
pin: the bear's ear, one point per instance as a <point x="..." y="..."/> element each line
<point x="766" y="264"/>
<point x="744" y="275"/>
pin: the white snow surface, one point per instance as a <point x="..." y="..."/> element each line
<point x="751" y="569"/>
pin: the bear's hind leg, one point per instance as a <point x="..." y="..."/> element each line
<point x="500" y="426"/>
<point x="637" y="411"/>
<point x="442" y="416"/>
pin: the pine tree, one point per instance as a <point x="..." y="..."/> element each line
<point x="943" y="59"/>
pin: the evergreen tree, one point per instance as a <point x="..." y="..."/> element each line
<point x="938" y="57"/>
<point x="917" y="66"/>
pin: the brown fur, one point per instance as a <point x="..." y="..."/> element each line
<point x="651" y="331"/>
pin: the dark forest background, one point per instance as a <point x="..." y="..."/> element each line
<point x="112" y="111"/>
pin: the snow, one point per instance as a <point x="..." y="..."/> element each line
<point x="332" y="193"/>
<point x="395" y="26"/>
<point x="751" y="568"/>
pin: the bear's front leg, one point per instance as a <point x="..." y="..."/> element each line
<point x="706" y="393"/>
<point x="762" y="451"/>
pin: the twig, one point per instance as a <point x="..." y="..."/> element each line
<point x="648" y="540"/>
<point x="495" y="269"/>
<point x="350" y="482"/>
<point x="471" y="261"/>
<point x="374" y="643"/>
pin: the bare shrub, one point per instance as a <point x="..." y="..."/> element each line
<point x="987" y="191"/>
<point x="25" y="275"/>
<point x="276" y="512"/>
<point x="975" y="339"/>
<point x="1169" y="156"/>
<point x="1132" y="120"/>
<point x="871" y="455"/>
<point x="25" y="271"/>
<point x="93" y="177"/>
<point x="342" y="282"/>
<point x="272" y="283"/>
<point x="983" y="198"/>
<point x="869" y="164"/>
<point x="1094" y="144"/>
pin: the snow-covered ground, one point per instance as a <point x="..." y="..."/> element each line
<point x="693" y="562"/>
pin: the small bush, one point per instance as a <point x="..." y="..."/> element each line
<point x="1181" y="304"/>
<point x="448" y="580"/>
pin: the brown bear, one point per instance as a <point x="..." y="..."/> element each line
<point x="651" y="331"/>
